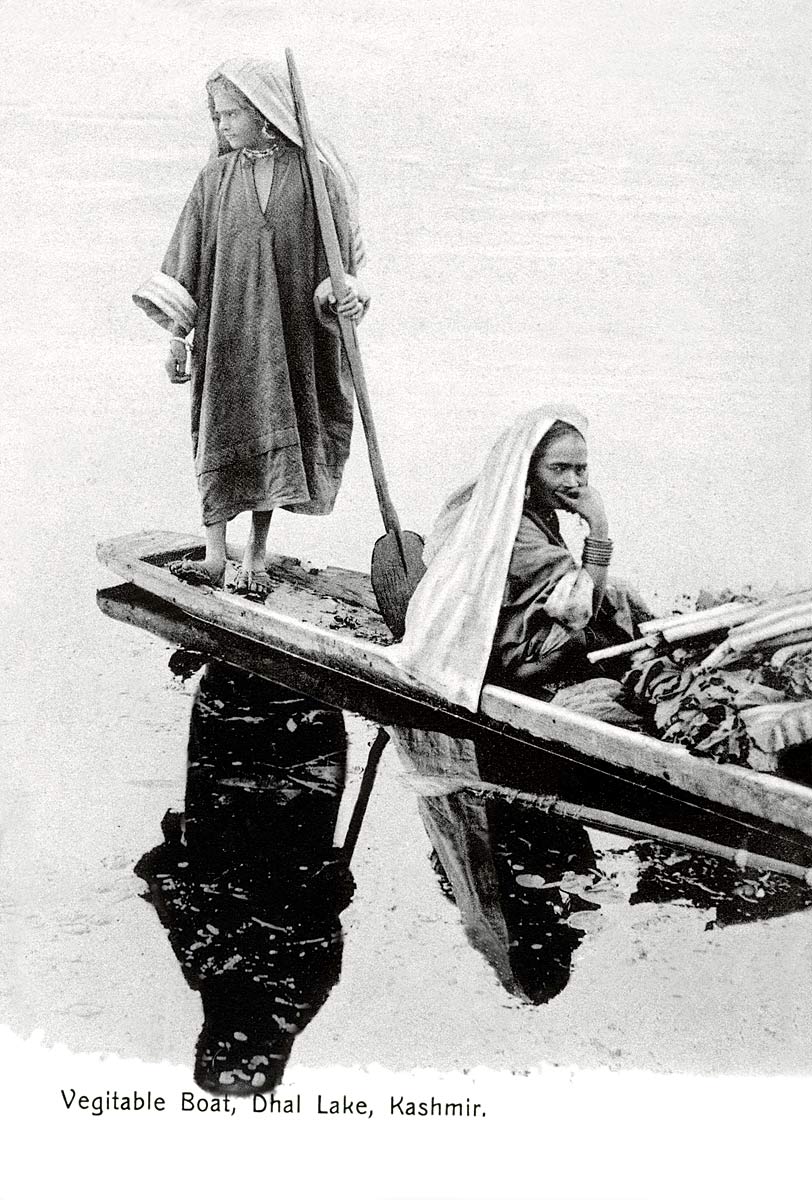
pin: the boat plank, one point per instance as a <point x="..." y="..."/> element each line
<point x="767" y="796"/>
<point x="334" y="648"/>
<point x="130" y="605"/>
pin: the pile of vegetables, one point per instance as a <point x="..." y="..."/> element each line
<point x="689" y="707"/>
<point x="731" y="681"/>
<point x="791" y="671"/>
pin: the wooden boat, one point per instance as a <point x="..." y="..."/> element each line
<point x="321" y="632"/>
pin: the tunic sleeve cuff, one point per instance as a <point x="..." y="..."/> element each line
<point x="167" y="302"/>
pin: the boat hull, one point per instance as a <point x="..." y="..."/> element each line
<point x="320" y="647"/>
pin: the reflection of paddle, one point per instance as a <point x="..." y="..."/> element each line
<point x="397" y="559"/>
<point x="364" y="792"/>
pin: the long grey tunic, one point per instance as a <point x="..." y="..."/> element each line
<point x="271" y="389"/>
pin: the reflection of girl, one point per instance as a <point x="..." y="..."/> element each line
<point x="503" y="597"/>
<point x="247" y="881"/>
<point x="245" y="270"/>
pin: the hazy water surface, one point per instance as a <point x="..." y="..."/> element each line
<point x="585" y="201"/>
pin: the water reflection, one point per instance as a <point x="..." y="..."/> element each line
<point x="250" y="887"/>
<point x="247" y="881"/>
<point x="515" y="876"/>
<point x="667" y="875"/>
<point x="519" y="872"/>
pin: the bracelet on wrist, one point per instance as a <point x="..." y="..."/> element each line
<point x="177" y="338"/>
<point x="597" y="552"/>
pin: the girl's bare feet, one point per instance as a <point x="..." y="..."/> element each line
<point x="199" y="573"/>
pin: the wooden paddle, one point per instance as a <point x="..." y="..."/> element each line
<point x="397" y="558"/>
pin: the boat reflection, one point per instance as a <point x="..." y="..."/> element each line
<point x="250" y="887"/>
<point x="247" y="881"/>
<point x="516" y="876"/>
<point x="668" y="874"/>
<point x="521" y="873"/>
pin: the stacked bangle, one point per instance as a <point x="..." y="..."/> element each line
<point x="597" y="552"/>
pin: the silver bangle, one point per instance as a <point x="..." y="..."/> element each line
<point x="597" y="552"/>
<point x="177" y="338"/>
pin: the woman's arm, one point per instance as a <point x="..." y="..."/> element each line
<point x="548" y="601"/>
<point x="598" y="547"/>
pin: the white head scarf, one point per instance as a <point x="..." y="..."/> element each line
<point x="452" y="617"/>
<point x="267" y="86"/>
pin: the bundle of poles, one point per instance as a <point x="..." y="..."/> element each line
<point x="744" y="626"/>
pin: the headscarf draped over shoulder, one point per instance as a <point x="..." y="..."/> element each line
<point x="452" y="617"/>
<point x="267" y="86"/>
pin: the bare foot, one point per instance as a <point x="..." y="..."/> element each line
<point x="253" y="585"/>
<point x="200" y="572"/>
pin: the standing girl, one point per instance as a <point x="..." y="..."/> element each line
<point x="246" y="275"/>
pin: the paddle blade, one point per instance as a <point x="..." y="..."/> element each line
<point x="395" y="576"/>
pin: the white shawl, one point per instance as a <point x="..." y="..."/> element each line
<point x="452" y="617"/>
<point x="267" y="86"/>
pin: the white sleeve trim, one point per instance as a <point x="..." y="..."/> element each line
<point x="166" y="301"/>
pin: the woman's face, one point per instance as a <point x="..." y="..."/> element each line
<point x="241" y="127"/>
<point x="559" y="475"/>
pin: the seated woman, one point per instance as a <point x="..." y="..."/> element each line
<point x="503" y="600"/>
<point x="553" y="610"/>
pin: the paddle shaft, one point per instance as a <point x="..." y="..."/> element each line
<point x="335" y="264"/>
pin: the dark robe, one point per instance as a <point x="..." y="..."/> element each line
<point x="271" y="390"/>
<point x="546" y="616"/>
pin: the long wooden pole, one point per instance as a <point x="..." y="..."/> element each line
<point x="742" y="618"/>
<point x="337" y="279"/>
<point x="658" y="624"/>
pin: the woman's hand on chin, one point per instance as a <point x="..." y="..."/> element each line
<point x="589" y="505"/>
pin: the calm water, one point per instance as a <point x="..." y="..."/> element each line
<point x="254" y="871"/>
<point x="585" y="201"/>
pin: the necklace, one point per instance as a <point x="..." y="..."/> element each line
<point x="255" y="155"/>
<point x="275" y="145"/>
